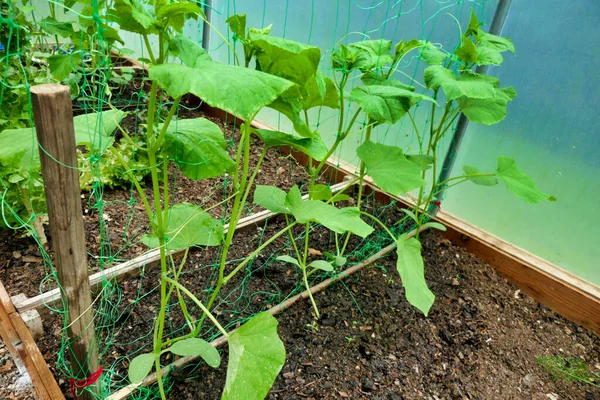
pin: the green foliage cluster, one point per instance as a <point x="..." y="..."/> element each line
<point x="282" y="75"/>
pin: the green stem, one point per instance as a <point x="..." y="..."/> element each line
<point x="374" y="218"/>
<point x="287" y="222"/>
<point x="198" y="303"/>
<point x="310" y="296"/>
<point x="149" y="48"/>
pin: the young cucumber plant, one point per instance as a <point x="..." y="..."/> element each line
<point x="382" y="99"/>
<point x="198" y="148"/>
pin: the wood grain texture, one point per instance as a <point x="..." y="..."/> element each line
<point x="53" y="116"/>
<point x="23" y="349"/>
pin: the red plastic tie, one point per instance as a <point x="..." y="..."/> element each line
<point x="83" y="383"/>
<point x="437" y="203"/>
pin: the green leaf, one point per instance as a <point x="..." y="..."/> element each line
<point x="289" y="260"/>
<point x="292" y="108"/>
<point x="322" y="265"/>
<point x="256" y="355"/>
<point x="95" y="129"/>
<point x="198" y="147"/>
<point x="373" y="78"/>
<point x="188" y="225"/>
<point x="468" y="84"/>
<point x="518" y="182"/>
<point x="338" y="220"/>
<point x="488" y="56"/>
<point x="389" y="168"/>
<point x="498" y="43"/>
<point x="271" y="198"/>
<point x="487" y="111"/>
<point x="410" y="214"/>
<point x="286" y="58"/>
<point x="56" y="28"/>
<point x="132" y="16"/>
<point x="320" y="91"/>
<point x="340" y="261"/>
<point x="467" y="52"/>
<point x="424" y="161"/>
<point x="240" y="91"/>
<point x="197" y="347"/>
<point x="313" y="147"/>
<point x="412" y="272"/>
<point x="237" y="25"/>
<point x="404" y="47"/>
<point x="386" y="104"/>
<point x="365" y="55"/>
<point x="320" y="192"/>
<point x="188" y="51"/>
<point x="479" y="180"/>
<point x="435" y="225"/>
<point x="431" y="54"/>
<point x="473" y="24"/>
<point x="175" y="13"/>
<point x="61" y="65"/>
<point x="140" y="367"/>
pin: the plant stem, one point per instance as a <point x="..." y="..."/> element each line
<point x="310" y="296"/>
<point x="179" y="286"/>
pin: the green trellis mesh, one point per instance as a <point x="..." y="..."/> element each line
<point x="104" y="82"/>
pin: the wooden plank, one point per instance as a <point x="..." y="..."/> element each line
<point x="53" y="115"/>
<point x="51" y="297"/>
<point x="22" y="347"/>
<point x="562" y="292"/>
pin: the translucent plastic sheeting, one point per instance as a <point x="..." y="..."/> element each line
<point x="551" y="130"/>
<point x="327" y="23"/>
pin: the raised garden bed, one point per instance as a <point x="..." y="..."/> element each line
<point x="481" y="339"/>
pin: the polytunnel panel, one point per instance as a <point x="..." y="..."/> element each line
<point x="551" y="131"/>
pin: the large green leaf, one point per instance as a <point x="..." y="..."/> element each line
<point x="56" y="28"/>
<point x="365" y="55"/>
<point x="237" y="25"/>
<point x="188" y="225"/>
<point x="292" y="108"/>
<point x="412" y="272"/>
<point x="286" y="58"/>
<point x="389" y="168"/>
<point x="61" y="65"/>
<point x="339" y="220"/>
<point x="479" y="180"/>
<point x="140" y="367"/>
<point x="518" y="182"/>
<point x="256" y="355"/>
<point x="271" y="198"/>
<point x="467" y="52"/>
<point x="188" y="51"/>
<point x="198" y="147"/>
<point x="196" y="346"/>
<point x="431" y="54"/>
<point x="320" y="91"/>
<point x="373" y="78"/>
<point x="313" y="147"/>
<point x="18" y="147"/>
<point x="175" y="13"/>
<point x="240" y="91"/>
<point x="386" y="104"/>
<point x="132" y="16"/>
<point x="468" y="84"/>
<point x="487" y="111"/>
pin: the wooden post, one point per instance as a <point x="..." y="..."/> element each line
<point x="53" y="115"/>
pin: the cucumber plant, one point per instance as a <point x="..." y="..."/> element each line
<point x="198" y="148"/>
<point x="452" y="88"/>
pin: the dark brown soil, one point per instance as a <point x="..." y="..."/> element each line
<point x="480" y="340"/>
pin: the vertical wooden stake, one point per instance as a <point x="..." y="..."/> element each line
<point x="53" y="115"/>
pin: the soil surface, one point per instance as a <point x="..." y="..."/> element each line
<point x="480" y="340"/>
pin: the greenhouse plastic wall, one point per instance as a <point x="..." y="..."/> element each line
<point x="551" y="129"/>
